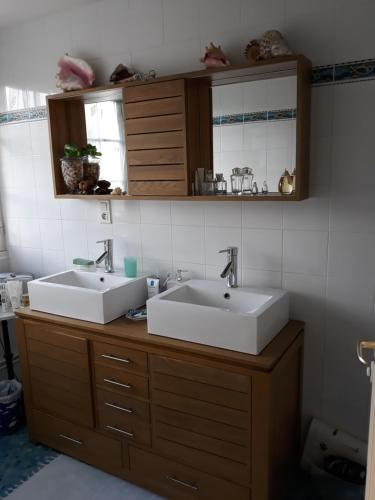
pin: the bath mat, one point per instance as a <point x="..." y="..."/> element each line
<point x="20" y="459"/>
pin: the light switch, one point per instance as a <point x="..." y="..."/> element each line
<point x="105" y="212"/>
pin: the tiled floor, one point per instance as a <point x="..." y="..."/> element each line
<point x="44" y="474"/>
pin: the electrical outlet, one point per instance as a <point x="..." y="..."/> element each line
<point x="105" y="212"/>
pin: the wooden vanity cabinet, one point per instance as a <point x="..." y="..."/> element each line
<point x="184" y="420"/>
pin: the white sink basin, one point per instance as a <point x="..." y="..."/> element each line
<point x="210" y="313"/>
<point x="96" y="297"/>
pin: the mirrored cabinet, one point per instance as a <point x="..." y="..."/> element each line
<point x="235" y="133"/>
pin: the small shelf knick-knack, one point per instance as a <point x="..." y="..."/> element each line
<point x="286" y="183"/>
<point x="265" y="188"/>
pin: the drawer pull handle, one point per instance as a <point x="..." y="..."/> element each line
<point x="121" y="408"/>
<point x="116" y="429"/>
<point x="113" y="382"/>
<point x="182" y="483"/>
<point x="114" y="358"/>
<point x="75" y="441"/>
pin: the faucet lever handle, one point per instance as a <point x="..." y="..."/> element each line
<point x="227" y="250"/>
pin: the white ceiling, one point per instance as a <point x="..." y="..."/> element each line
<point x="18" y="11"/>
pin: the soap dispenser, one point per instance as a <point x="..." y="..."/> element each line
<point x="177" y="279"/>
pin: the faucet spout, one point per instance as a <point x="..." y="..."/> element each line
<point x="230" y="270"/>
<point x="107" y="256"/>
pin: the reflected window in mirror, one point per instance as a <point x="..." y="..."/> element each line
<point x="105" y="130"/>
<point x="254" y="125"/>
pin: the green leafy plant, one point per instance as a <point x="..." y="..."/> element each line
<point x="71" y="151"/>
<point x="90" y="150"/>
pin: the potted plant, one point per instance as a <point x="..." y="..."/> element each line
<point x="72" y="167"/>
<point x="91" y="163"/>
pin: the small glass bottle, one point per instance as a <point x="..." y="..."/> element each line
<point x="286" y="183"/>
<point x="209" y="184"/>
<point x="265" y="188"/>
<point x="255" y="189"/>
<point x="247" y="183"/>
<point x="220" y="184"/>
<point x="236" y="180"/>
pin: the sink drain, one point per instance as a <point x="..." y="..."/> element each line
<point x="226" y="295"/>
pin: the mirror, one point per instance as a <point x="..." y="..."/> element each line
<point x="254" y="125"/>
<point x="105" y="130"/>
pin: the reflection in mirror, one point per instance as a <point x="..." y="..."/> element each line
<point x="254" y="125"/>
<point x="105" y="130"/>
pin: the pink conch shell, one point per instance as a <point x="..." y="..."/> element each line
<point x="214" y="57"/>
<point x="74" y="74"/>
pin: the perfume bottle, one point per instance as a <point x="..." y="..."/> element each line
<point x="247" y="183"/>
<point x="220" y="184"/>
<point x="286" y="183"/>
<point x="209" y="183"/>
<point x="236" y="180"/>
<point x="255" y="189"/>
<point x="265" y="188"/>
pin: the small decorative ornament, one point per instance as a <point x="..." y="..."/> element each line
<point x="121" y="74"/>
<point x="255" y="190"/>
<point x="265" y="188"/>
<point x="74" y="74"/>
<point x="117" y="190"/>
<point x="103" y="187"/>
<point x="214" y="57"/>
<point x="271" y="44"/>
<point x="286" y="183"/>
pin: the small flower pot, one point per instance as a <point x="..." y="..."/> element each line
<point x="91" y="170"/>
<point x="72" y="172"/>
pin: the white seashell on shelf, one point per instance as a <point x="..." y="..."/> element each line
<point x="74" y="74"/>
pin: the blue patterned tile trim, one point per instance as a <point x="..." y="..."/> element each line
<point x="257" y="116"/>
<point x="39" y="113"/>
<point x="322" y="74"/>
<point x="357" y="70"/>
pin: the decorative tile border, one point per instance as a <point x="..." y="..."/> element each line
<point x="257" y="116"/>
<point x="353" y="71"/>
<point x="24" y="115"/>
<point x="344" y="72"/>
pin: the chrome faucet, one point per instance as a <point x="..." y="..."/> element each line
<point x="107" y="255"/>
<point x="230" y="270"/>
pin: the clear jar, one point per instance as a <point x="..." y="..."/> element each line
<point x="220" y="184"/>
<point x="236" y="180"/>
<point x="247" y="184"/>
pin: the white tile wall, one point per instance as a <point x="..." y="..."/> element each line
<point x="322" y="249"/>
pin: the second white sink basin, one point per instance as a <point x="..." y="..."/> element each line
<point x="210" y="313"/>
<point x="96" y="297"/>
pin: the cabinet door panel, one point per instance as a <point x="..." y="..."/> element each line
<point x="157" y="107"/>
<point x="154" y="90"/>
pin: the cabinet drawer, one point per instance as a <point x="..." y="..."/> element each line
<point x="121" y="381"/>
<point x="120" y="404"/>
<point x="154" y="91"/>
<point x="157" y="107"/>
<point x="154" y="124"/>
<point x="156" y="157"/>
<point x="55" y="336"/>
<point x="156" y="141"/>
<point x="158" y="188"/>
<point x="120" y="357"/>
<point x="77" y="442"/>
<point x="176" y="481"/>
<point x="198" y="373"/>
<point x="124" y="426"/>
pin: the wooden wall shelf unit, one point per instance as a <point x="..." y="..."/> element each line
<point x="169" y="131"/>
<point x="185" y="420"/>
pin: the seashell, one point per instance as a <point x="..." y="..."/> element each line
<point x="74" y="74"/>
<point x="121" y="74"/>
<point x="214" y="57"/>
<point x="252" y="51"/>
<point x="117" y="190"/>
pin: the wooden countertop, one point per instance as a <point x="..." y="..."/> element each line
<point x="136" y="332"/>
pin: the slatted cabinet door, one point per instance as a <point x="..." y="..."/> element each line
<point x="167" y="135"/>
